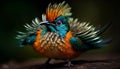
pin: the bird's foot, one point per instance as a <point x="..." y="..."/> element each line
<point x="46" y="64"/>
<point x="69" y="64"/>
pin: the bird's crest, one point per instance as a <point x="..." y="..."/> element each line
<point x="55" y="10"/>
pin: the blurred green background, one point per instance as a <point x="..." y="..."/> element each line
<point x="14" y="14"/>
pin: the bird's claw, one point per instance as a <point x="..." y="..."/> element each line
<point x="69" y="64"/>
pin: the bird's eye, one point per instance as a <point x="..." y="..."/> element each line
<point x="59" y="22"/>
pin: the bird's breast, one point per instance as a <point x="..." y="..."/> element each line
<point x="53" y="46"/>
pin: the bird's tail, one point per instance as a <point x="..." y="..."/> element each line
<point x="103" y="41"/>
<point x="93" y="40"/>
<point x="104" y="29"/>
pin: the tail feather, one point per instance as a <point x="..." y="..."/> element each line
<point x="92" y="39"/>
<point x="104" y="29"/>
<point x="106" y="41"/>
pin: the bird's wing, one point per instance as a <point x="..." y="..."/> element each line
<point x="31" y="29"/>
<point x="88" y="34"/>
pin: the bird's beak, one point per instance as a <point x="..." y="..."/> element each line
<point x="44" y="23"/>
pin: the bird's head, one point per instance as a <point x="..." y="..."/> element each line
<point x="57" y="18"/>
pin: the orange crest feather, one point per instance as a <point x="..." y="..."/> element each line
<point x="55" y="10"/>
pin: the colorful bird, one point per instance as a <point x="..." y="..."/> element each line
<point x="59" y="36"/>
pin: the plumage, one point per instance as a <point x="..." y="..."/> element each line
<point x="55" y="10"/>
<point x="60" y="36"/>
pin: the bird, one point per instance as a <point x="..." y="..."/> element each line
<point x="60" y="36"/>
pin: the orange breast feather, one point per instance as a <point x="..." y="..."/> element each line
<point x="60" y="52"/>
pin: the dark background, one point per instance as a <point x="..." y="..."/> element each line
<point x="14" y="14"/>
